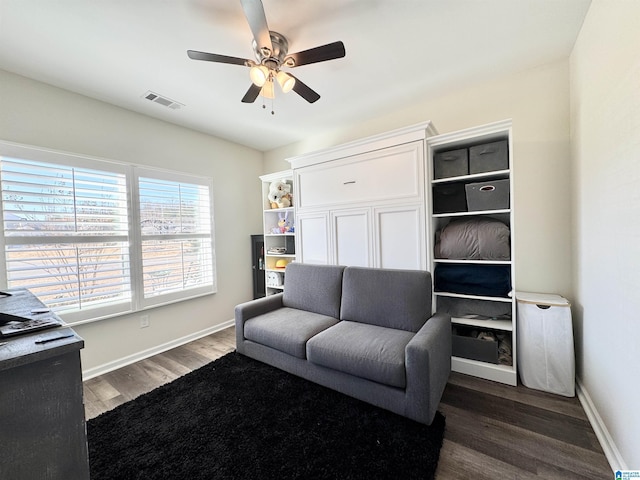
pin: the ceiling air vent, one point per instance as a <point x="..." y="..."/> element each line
<point x="164" y="101"/>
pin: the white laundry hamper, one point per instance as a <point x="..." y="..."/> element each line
<point x="546" y="359"/>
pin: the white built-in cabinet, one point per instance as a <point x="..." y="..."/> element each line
<point x="363" y="203"/>
<point x="504" y="325"/>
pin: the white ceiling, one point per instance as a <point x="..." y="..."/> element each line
<point x="397" y="50"/>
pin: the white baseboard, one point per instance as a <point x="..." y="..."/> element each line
<point x="616" y="462"/>
<point x="129" y="359"/>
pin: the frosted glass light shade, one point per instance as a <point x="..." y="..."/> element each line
<point x="267" y="90"/>
<point x="286" y="81"/>
<point x="259" y="75"/>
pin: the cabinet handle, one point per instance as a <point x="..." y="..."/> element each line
<point x="349" y="182"/>
<point x="488" y="151"/>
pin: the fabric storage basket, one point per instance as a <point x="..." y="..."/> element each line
<point x="489" y="157"/>
<point x="546" y="358"/>
<point x="474" y="349"/>
<point x="490" y="195"/>
<point x="453" y="163"/>
<point x="449" y="198"/>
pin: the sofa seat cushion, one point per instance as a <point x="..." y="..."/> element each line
<point x="287" y="329"/>
<point x="367" y="351"/>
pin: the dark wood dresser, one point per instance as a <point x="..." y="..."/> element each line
<point x="42" y="423"/>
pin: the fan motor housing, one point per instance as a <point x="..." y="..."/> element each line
<point x="280" y="48"/>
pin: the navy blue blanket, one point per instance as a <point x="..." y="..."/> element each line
<point x="489" y="280"/>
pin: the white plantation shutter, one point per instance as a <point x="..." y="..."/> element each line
<point x="176" y="242"/>
<point x="94" y="238"/>
<point x="66" y="236"/>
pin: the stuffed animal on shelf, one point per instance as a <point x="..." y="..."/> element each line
<point x="279" y="194"/>
<point x="284" y="226"/>
<point x="275" y="279"/>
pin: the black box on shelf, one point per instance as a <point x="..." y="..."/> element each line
<point x="489" y="195"/>
<point x="289" y="244"/>
<point x="449" y="198"/>
<point x="489" y="157"/>
<point x="453" y="163"/>
<point x="475" y="349"/>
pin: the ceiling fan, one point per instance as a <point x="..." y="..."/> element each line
<point x="271" y="51"/>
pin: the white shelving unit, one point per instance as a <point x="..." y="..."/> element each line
<point x="458" y="140"/>
<point x="279" y="234"/>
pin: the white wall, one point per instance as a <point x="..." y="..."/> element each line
<point x="605" y="141"/>
<point x="37" y="114"/>
<point x="538" y="102"/>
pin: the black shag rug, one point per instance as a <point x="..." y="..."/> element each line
<point x="237" y="418"/>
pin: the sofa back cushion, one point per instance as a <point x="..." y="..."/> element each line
<point x="388" y="298"/>
<point x="314" y="288"/>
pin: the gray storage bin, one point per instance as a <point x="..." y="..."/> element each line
<point x="474" y="349"/>
<point x="453" y="163"/>
<point x="489" y="195"/>
<point x="489" y="157"/>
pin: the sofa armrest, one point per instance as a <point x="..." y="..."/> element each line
<point x="428" y="365"/>
<point x="254" y="308"/>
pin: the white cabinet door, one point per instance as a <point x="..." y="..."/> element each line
<point x="400" y="237"/>
<point x="312" y="238"/>
<point x="386" y="175"/>
<point x="351" y="234"/>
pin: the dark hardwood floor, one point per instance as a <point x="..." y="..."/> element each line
<point x="493" y="431"/>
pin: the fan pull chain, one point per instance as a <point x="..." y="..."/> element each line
<point x="264" y="106"/>
<point x="272" y="97"/>
<point x="273" y="89"/>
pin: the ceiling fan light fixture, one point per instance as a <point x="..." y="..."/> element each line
<point x="268" y="90"/>
<point x="259" y="75"/>
<point x="286" y="81"/>
<point x="271" y="54"/>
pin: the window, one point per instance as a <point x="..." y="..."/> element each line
<point x="93" y="238"/>
<point x="175" y="228"/>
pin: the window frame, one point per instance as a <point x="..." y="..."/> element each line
<point x="132" y="173"/>
<point x="143" y="303"/>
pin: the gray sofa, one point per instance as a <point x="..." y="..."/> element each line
<point x="368" y="333"/>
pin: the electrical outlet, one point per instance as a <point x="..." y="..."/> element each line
<point x="144" y="321"/>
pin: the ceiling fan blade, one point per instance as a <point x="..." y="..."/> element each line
<point x="251" y="94"/>
<point x="214" y="57"/>
<point x="254" y="11"/>
<point x="330" y="51"/>
<point x="305" y="92"/>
